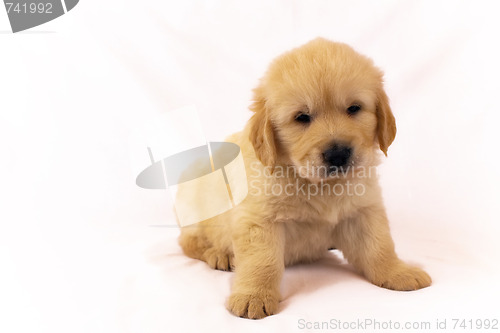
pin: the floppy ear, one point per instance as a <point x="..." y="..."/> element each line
<point x="386" y="124"/>
<point x="262" y="132"/>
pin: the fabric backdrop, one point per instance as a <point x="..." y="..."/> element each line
<point x="83" y="249"/>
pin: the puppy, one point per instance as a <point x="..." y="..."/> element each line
<point x="321" y="118"/>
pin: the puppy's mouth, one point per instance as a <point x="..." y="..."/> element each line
<point x="334" y="171"/>
<point x="336" y="162"/>
<point x="316" y="172"/>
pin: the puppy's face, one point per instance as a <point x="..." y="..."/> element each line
<point x="321" y="108"/>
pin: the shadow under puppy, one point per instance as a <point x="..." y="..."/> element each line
<point x="321" y="116"/>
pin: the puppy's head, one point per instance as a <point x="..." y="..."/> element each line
<point x="321" y="107"/>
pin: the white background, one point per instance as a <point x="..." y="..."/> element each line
<point x="82" y="249"/>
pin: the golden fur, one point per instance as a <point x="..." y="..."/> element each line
<point x="267" y="231"/>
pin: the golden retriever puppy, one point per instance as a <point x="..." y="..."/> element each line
<point x="321" y="117"/>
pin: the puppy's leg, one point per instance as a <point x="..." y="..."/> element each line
<point x="204" y="242"/>
<point x="259" y="256"/>
<point x="192" y="242"/>
<point x="218" y="259"/>
<point x="367" y="244"/>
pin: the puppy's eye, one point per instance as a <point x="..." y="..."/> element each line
<point x="353" y="109"/>
<point x="303" y="118"/>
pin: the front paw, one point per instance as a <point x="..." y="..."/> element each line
<point x="402" y="277"/>
<point x="255" y="306"/>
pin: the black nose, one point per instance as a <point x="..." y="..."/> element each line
<point x="337" y="156"/>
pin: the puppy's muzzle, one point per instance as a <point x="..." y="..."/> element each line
<point x="337" y="156"/>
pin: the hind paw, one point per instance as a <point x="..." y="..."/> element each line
<point x="217" y="259"/>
